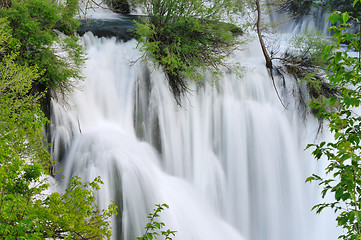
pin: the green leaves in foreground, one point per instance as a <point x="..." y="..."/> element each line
<point x="355" y="1"/>
<point x="343" y="172"/>
<point x="26" y="213"/>
<point x="27" y="209"/>
<point x="38" y="29"/>
<point x="153" y="228"/>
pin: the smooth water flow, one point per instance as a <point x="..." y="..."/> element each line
<point x="229" y="162"/>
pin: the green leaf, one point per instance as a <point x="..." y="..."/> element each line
<point x="345" y="17"/>
<point x="358" y="216"/>
<point x="334" y="17"/>
<point x="150" y="236"/>
<point x="344" y="157"/>
<point x="328" y="48"/>
<point x="338" y="194"/>
<point x="342" y="220"/>
<point x="338" y="57"/>
<point x="346" y="196"/>
<point x="310" y="179"/>
<point x="354" y="3"/>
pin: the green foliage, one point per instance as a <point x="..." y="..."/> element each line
<point x="153" y="227"/>
<point x="319" y="90"/>
<point x="345" y="6"/>
<point x="309" y="47"/>
<point x="187" y="37"/>
<point x="343" y="177"/>
<point x="74" y="214"/>
<point x="26" y="211"/>
<point x="352" y="7"/>
<point x="304" y="61"/>
<point x="34" y="24"/>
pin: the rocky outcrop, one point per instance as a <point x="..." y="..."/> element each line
<point x="122" y="28"/>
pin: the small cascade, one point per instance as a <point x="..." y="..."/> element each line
<point x="229" y="162"/>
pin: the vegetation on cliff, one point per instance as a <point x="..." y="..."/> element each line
<point x="43" y="35"/>
<point x="187" y="38"/>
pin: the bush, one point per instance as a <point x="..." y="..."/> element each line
<point x="26" y="210"/>
<point x="187" y="38"/>
<point x="37" y="27"/>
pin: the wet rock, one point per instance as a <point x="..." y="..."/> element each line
<point x="121" y="28"/>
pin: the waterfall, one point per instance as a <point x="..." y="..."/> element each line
<point x="230" y="162"/>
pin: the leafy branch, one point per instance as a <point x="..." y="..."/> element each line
<point x="153" y="227"/>
<point x="343" y="172"/>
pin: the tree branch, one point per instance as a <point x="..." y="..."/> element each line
<point x="264" y="50"/>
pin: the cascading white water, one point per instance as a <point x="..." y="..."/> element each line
<point x="229" y="162"/>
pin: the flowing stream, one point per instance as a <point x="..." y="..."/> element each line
<point x="230" y="162"/>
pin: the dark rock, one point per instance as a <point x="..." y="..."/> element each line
<point x="122" y="28"/>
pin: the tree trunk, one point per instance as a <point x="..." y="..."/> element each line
<point x="264" y="50"/>
<point x="265" y="53"/>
